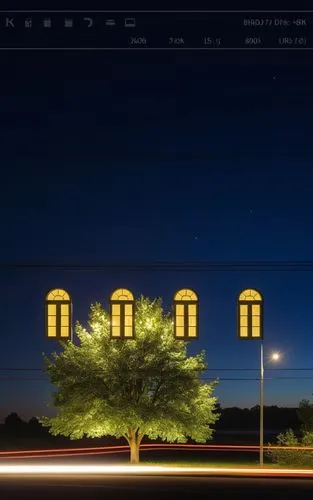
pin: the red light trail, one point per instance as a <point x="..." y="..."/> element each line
<point x="98" y="450"/>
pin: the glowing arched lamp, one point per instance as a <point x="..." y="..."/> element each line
<point x="58" y="314"/>
<point x="250" y="314"/>
<point x="250" y="327"/>
<point x="122" y="317"/>
<point x="186" y="314"/>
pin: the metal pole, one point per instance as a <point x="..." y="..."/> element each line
<point x="261" y="405"/>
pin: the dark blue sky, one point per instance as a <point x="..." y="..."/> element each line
<point x="158" y="156"/>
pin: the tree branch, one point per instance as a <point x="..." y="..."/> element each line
<point x="126" y="437"/>
<point x="157" y="389"/>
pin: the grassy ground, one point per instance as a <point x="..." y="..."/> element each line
<point x="170" y="458"/>
<point x="186" y="462"/>
<point x="231" y="465"/>
<point x="198" y="464"/>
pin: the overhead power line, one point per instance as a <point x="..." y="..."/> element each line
<point x="165" y="265"/>
<point x="16" y="369"/>
<point x="232" y="155"/>
<point x="221" y="379"/>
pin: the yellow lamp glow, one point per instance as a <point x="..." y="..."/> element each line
<point x="275" y="356"/>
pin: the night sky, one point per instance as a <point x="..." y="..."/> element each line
<point x="158" y="156"/>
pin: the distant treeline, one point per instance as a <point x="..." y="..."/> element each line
<point x="240" y="419"/>
<point x="275" y="418"/>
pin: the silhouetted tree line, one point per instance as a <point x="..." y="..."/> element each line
<point x="275" y="418"/>
<point x="240" y="419"/>
<point x="15" y="426"/>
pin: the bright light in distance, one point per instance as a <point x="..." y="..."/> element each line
<point x="275" y="356"/>
<point x="148" y="470"/>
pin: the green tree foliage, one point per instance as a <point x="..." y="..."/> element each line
<point x="297" y="456"/>
<point x="305" y="415"/>
<point x="147" y="386"/>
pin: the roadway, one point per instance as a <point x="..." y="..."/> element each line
<point x="20" y="487"/>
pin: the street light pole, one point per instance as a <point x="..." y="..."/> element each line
<point x="261" y="405"/>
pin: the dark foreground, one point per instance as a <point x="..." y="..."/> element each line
<point x="139" y="487"/>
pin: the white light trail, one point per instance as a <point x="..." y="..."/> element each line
<point x="147" y="470"/>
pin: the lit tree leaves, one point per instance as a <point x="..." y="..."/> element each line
<point x="146" y="386"/>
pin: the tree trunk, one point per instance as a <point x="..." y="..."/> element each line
<point x="134" y="440"/>
<point x="134" y="451"/>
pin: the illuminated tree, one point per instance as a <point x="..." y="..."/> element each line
<point x="131" y="388"/>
